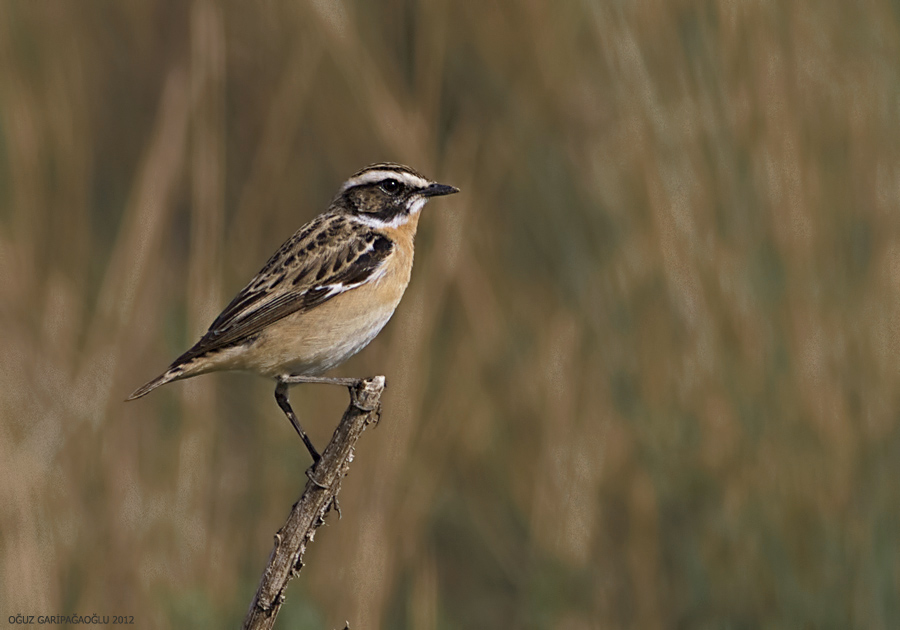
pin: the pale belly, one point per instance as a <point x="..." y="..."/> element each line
<point x="313" y="342"/>
<point x="300" y="346"/>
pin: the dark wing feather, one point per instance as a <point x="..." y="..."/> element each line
<point x="294" y="281"/>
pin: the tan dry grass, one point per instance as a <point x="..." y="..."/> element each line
<point x="645" y="374"/>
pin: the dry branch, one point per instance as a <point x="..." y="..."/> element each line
<point x="318" y="497"/>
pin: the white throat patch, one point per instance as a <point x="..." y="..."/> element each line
<point x="374" y="222"/>
<point x="397" y="220"/>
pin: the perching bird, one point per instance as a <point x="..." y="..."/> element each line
<point x="324" y="295"/>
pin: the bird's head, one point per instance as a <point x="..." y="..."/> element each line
<point x="387" y="195"/>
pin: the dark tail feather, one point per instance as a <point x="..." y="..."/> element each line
<point x="172" y="374"/>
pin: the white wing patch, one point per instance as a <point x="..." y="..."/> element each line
<point x="340" y="287"/>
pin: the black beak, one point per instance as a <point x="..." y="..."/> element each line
<point x="438" y="190"/>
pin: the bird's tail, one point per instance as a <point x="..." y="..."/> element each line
<point x="172" y="374"/>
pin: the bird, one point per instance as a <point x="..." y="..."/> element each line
<point x="324" y="294"/>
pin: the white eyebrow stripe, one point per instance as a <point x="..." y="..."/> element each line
<point x="371" y="177"/>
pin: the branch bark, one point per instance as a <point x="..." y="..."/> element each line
<point x="318" y="497"/>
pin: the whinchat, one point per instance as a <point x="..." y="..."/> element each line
<point x="324" y="295"/>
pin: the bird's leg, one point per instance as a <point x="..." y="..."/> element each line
<point x="299" y="378"/>
<point x="282" y="399"/>
<point x="349" y="383"/>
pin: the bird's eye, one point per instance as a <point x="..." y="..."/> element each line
<point x="390" y="186"/>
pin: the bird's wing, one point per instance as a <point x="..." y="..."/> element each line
<point x="329" y="256"/>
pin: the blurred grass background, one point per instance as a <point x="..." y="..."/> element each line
<point x="645" y="375"/>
